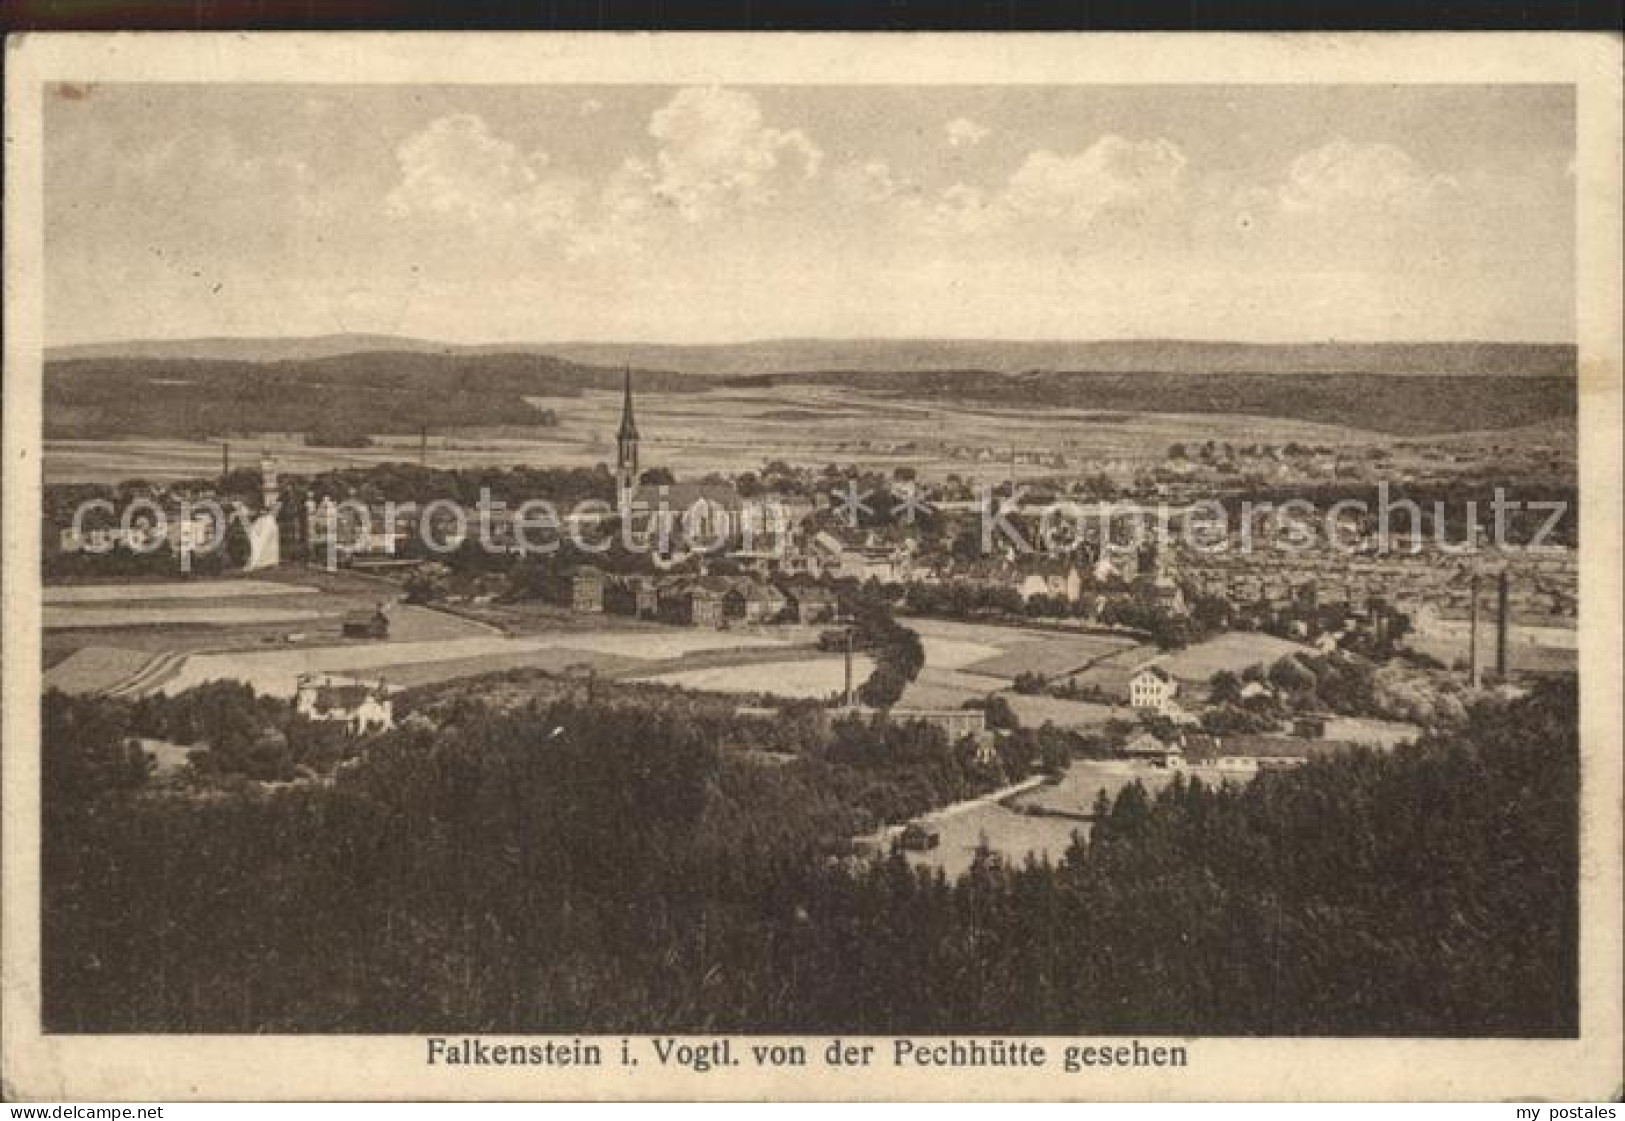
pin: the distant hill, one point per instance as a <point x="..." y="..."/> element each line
<point x="278" y="349"/>
<point x="778" y="356"/>
<point x="334" y="396"/>
<point x="244" y="349"/>
<point x="209" y="387"/>
<point x="1407" y="404"/>
<point x="1111" y="357"/>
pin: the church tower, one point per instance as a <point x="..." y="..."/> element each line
<point x="269" y="492"/>
<point x="626" y="448"/>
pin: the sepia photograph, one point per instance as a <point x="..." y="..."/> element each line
<point x="584" y="573"/>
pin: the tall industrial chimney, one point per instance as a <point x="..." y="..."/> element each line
<point x="225" y="458"/>
<point x="849" y="699"/>
<point x="1474" y="673"/>
<point x="423" y="445"/>
<point x="1503" y="624"/>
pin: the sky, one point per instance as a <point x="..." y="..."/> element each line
<point x="715" y="214"/>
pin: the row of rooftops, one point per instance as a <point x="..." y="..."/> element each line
<point x="1200" y="747"/>
<point x="712" y="585"/>
<point x="337" y="690"/>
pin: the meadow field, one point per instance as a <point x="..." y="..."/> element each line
<point x="275" y="672"/>
<point x="1013" y="835"/>
<point x="110" y="635"/>
<point x="137" y="639"/>
<point x="1382" y="734"/>
<point x="184" y="615"/>
<point x="553" y="660"/>
<point x="812" y="678"/>
<point x="100" y="637"/>
<point x="947" y="688"/>
<point x="133" y="638"/>
<point x="1086" y="779"/>
<point x="124" y="594"/>
<point x="1233" y="651"/>
<point x="1557" y="655"/>
<point x="998" y="650"/>
<point x="95" y="669"/>
<point x="1057" y="656"/>
<point x="727" y="429"/>
<point x="1036" y="710"/>
<point x="1039" y="821"/>
<point x="971" y="661"/>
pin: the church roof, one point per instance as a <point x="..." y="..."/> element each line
<point x="340" y="697"/>
<point x="708" y="587"/>
<point x="807" y="591"/>
<point x="681" y="497"/>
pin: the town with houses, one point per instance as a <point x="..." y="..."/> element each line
<point x="1153" y="648"/>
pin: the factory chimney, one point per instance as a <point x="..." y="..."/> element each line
<point x="225" y="459"/>
<point x="1474" y="672"/>
<point x="1503" y="624"/>
<point x="423" y="445"/>
<point x="850" y="701"/>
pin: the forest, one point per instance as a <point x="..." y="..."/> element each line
<point x="335" y="396"/>
<point x="615" y="863"/>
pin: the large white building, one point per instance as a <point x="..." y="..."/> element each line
<point x="361" y="705"/>
<point x="264" y="534"/>
<point x="1152" y="688"/>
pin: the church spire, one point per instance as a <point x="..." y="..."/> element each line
<point x="626" y="448"/>
<point x="629" y="429"/>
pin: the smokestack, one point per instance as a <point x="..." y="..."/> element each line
<point x="423" y="445"/>
<point x="849" y="699"/>
<point x="1503" y="624"/>
<point x="1474" y="673"/>
<point x="225" y="458"/>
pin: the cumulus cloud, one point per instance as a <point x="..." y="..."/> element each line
<point x="869" y="181"/>
<point x="713" y="151"/>
<point x="1111" y="173"/>
<point x="619" y="221"/>
<point x="957" y="209"/>
<point x="716" y="150"/>
<point x="962" y="132"/>
<point x="1049" y="191"/>
<point x="456" y="168"/>
<point x="1342" y="174"/>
